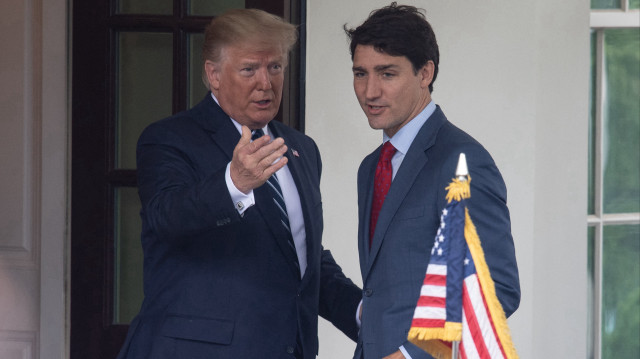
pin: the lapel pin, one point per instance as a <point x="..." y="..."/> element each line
<point x="295" y="153"/>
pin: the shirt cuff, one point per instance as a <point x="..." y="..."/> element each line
<point x="241" y="201"/>
<point x="405" y="352"/>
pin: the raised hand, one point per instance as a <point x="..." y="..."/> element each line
<point x="254" y="162"/>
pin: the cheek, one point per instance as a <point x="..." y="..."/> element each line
<point x="359" y="90"/>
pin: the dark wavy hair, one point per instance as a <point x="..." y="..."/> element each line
<point x="398" y="30"/>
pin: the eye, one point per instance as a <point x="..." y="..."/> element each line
<point x="387" y="74"/>
<point x="247" y="71"/>
<point x="275" y="68"/>
<point x="358" y="74"/>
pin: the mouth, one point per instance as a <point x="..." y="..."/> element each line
<point x="263" y="103"/>
<point x="374" y="110"/>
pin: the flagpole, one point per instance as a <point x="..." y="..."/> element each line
<point x="461" y="175"/>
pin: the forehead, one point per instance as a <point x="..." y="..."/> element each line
<point x="366" y="56"/>
<point x="253" y="51"/>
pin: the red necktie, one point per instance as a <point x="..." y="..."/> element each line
<point x="381" y="184"/>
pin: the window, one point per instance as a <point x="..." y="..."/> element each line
<point x="614" y="180"/>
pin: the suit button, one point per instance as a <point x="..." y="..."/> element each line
<point x="368" y="292"/>
<point x="290" y="350"/>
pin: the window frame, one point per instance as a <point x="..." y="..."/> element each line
<point x="600" y="20"/>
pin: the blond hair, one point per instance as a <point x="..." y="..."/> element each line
<point x="246" y="26"/>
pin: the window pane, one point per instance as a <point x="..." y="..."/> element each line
<point x="634" y="4"/>
<point x="606" y="4"/>
<point x="144" y="93"/>
<point x="621" y="122"/>
<point x="592" y="126"/>
<point x="156" y="7"/>
<point x="197" y="89"/>
<point x="128" y="291"/>
<point x="621" y="292"/>
<point x="591" y="285"/>
<point x="213" y="8"/>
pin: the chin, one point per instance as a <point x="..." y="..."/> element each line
<point x="262" y="121"/>
<point x="375" y="124"/>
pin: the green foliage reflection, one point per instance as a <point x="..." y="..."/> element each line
<point x="621" y="152"/>
<point x="621" y="292"/>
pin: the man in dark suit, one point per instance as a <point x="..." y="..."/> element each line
<point x="401" y="185"/>
<point x="233" y="261"/>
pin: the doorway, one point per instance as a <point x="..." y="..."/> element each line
<point x="134" y="62"/>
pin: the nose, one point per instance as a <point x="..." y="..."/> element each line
<point x="264" y="79"/>
<point x="373" y="89"/>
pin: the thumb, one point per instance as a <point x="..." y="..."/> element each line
<point x="246" y="136"/>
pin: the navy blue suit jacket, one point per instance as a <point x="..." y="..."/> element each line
<point x="218" y="285"/>
<point x="393" y="269"/>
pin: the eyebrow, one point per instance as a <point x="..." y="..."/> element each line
<point x="379" y="68"/>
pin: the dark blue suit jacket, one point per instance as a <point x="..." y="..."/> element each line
<point x="394" y="268"/>
<point x="218" y="285"/>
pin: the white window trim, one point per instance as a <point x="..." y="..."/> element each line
<point x="601" y="19"/>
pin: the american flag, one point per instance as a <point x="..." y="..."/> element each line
<point x="457" y="299"/>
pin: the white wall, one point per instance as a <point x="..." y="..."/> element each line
<point x="33" y="170"/>
<point x="514" y="75"/>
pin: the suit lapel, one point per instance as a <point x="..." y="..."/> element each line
<point x="413" y="162"/>
<point x="365" y="197"/>
<point x="215" y="121"/>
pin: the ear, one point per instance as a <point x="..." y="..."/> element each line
<point x="212" y="70"/>
<point x="426" y="74"/>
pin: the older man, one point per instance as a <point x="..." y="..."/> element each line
<point x="232" y="215"/>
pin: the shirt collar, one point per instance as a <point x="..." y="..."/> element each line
<point x="404" y="137"/>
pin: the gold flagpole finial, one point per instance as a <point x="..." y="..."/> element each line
<point x="459" y="186"/>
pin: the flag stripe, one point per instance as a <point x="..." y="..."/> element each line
<point x="467" y="343"/>
<point x="437" y="269"/>
<point x="431" y="313"/>
<point x="434" y="279"/>
<point x="463" y="354"/>
<point x="432" y="302"/>
<point x="428" y="323"/>
<point x="498" y="340"/>
<point x="478" y="319"/>
<point x="433" y="291"/>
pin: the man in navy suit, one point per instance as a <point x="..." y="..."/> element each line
<point x="401" y="185"/>
<point x="233" y="266"/>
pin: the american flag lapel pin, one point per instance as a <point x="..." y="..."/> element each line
<point x="295" y="153"/>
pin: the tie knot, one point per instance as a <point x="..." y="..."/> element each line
<point x="387" y="151"/>
<point x="257" y="134"/>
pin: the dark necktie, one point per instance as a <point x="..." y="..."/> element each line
<point x="278" y="199"/>
<point x="381" y="184"/>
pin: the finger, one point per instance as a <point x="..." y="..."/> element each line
<point x="246" y="136"/>
<point x="267" y="149"/>
<point x="274" y="158"/>
<point x="260" y="143"/>
<point x="274" y="167"/>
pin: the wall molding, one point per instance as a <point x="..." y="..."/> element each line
<point x="18" y="344"/>
<point x="24" y="252"/>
